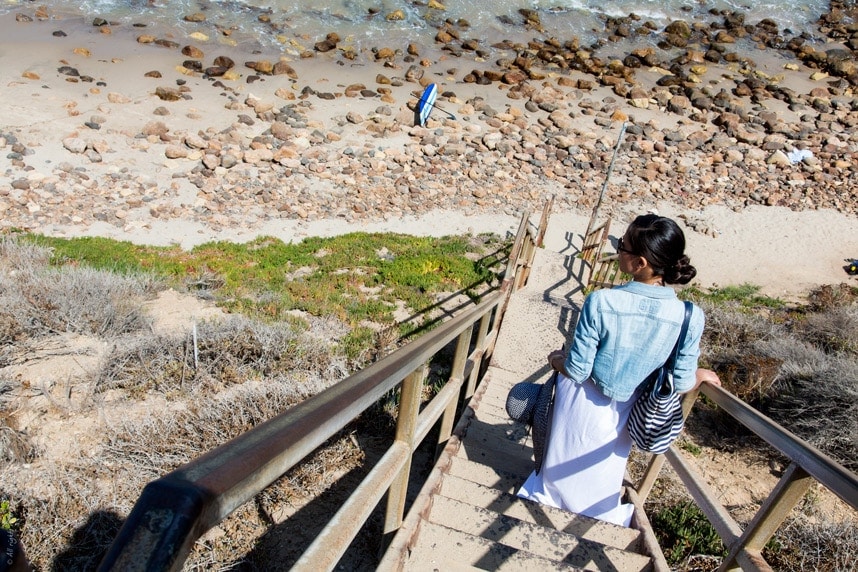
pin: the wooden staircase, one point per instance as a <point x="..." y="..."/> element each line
<point x="467" y="515"/>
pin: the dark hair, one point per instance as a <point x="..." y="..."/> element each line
<point x="661" y="241"/>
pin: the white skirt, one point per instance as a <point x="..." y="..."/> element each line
<point x="585" y="460"/>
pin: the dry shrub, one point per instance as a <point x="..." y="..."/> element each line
<point x="74" y="510"/>
<point x="834" y="330"/>
<point x="811" y="540"/>
<point x="69" y="516"/>
<point x="159" y="442"/>
<point x="829" y="296"/>
<point x="821" y="406"/>
<point x="15" y="445"/>
<point x="225" y="352"/>
<point x="37" y="299"/>
<point x="728" y="328"/>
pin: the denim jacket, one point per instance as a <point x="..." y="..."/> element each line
<point x="624" y="333"/>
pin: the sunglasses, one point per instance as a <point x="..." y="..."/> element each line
<point x="621" y="248"/>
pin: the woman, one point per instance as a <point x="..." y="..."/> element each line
<point x="622" y="335"/>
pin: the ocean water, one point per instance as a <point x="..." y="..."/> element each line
<point x="365" y="23"/>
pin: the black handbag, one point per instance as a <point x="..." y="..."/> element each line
<point x="656" y="418"/>
<point x="530" y="403"/>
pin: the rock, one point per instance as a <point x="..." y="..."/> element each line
<point x="117" y="98"/>
<point x="514" y="77"/>
<point x="254" y="156"/>
<point x="175" y="152"/>
<point x="414" y="74"/>
<point x="196" y="17"/>
<point x="355" y="89"/>
<point x="325" y="46"/>
<point x="223" y="62"/>
<point x="283" y="68"/>
<point x="168" y="93"/>
<point x="195" y="141"/>
<point x="281" y="131"/>
<point x="679" y="104"/>
<point x="211" y="161"/>
<point x="156" y="128"/>
<point x="74" y="144"/>
<point x="679" y="28"/>
<point x="284" y="93"/>
<point x="193" y="52"/>
<point x="170" y="44"/>
<point x="385" y="54"/>
<point x="778" y="158"/>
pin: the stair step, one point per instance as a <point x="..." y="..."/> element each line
<point x="504" y="480"/>
<point x="442" y="549"/>
<point x="537" y="540"/>
<point x="516" y="461"/>
<point x="541" y="515"/>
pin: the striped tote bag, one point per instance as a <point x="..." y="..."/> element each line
<point x="656" y="418"/>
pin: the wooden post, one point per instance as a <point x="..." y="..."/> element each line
<point x="605" y="184"/>
<point x="409" y="407"/>
<point x="457" y="374"/>
<point x="788" y="492"/>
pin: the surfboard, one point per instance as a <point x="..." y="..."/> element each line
<point x="427" y="100"/>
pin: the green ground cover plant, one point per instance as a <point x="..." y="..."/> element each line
<point x="358" y="278"/>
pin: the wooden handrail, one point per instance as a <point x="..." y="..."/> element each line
<point x="175" y="510"/>
<point x="745" y="546"/>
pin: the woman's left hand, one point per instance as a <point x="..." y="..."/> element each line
<point x="707" y="376"/>
<point x="557" y="360"/>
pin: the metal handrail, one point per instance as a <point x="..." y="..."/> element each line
<point x="175" y="510"/>
<point x="807" y="464"/>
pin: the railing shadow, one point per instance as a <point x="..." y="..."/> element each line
<point x="503" y="447"/>
<point x="89" y="542"/>
<point x="499" y="258"/>
<point x="570" y="285"/>
<point x="289" y="536"/>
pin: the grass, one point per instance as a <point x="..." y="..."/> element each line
<point x="356" y="278"/>
<point x="683" y="530"/>
<point x="745" y="296"/>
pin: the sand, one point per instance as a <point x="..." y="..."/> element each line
<point x="785" y="251"/>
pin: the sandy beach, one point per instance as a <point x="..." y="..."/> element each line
<point x="110" y="131"/>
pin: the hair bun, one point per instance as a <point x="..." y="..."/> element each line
<point x="680" y="273"/>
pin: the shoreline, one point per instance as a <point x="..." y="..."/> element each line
<point x="101" y="153"/>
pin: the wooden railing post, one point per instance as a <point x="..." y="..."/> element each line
<point x="482" y="335"/>
<point x="788" y="492"/>
<point x="409" y="407"/>
<point x="457" y="374"/>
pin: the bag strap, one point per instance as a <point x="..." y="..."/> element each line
<point x="671" y="361"/>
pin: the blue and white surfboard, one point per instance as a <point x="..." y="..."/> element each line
<point x="427" y="101"/>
